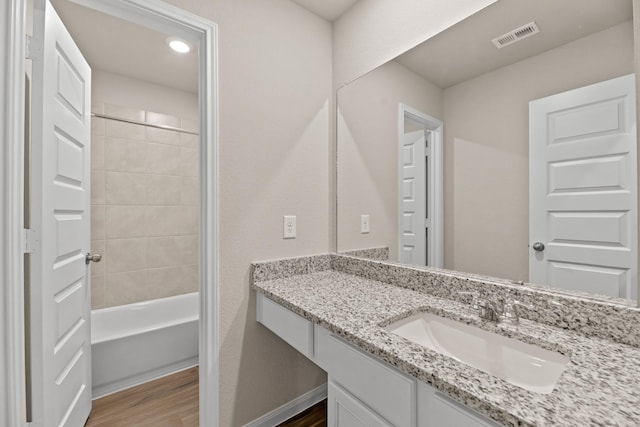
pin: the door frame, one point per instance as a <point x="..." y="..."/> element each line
<point x="435" y="211"/>
<point x="159" y="16"/>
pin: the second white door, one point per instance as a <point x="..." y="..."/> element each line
<point x="583" y="189"/>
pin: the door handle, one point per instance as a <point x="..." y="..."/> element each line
<point x="93" y="257"/>
<point x="538" y="246"/>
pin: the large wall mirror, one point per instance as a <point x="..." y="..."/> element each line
<point x="513" y="158"/>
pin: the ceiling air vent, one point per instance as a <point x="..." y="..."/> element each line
<point x="516" y="35"/>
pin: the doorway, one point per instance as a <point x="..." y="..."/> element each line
<point x="203" y="35"/>
<point x="420" y="207"/>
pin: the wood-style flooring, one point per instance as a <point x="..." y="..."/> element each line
<point x="171" y="401"/>
<point x="316" y="416"/>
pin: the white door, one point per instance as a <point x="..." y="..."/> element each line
<point x="413" y="209"/>
<point x="60" y="295"/>
<point x="583" y="191"/>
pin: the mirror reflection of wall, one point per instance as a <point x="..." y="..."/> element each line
<point x="482" y="96"/>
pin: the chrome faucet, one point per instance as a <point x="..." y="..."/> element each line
<point x="510" y="311"/>
<point x="490" y="310"/>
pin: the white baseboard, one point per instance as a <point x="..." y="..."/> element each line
<point x="122" y="384"/>
<point x="290" y="409"/>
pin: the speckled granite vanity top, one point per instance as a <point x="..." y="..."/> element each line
<point x="600" y="386"/>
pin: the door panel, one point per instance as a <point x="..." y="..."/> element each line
<point x="589" y="120"/>
<point x="413" y="205"/>
<point x="583" y="189"/>
<point x="60" y="300"/>
<point x="587" y="278"/>
<point x="604" y="173"/>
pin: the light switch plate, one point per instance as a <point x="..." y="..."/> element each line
<point x="364" y="224"/>
<point x="289" y="231"/>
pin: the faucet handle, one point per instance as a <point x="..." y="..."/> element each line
<point x="510" y="311"/>
<point x="475" y="298"/>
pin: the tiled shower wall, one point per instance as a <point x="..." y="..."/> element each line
<point x="144" y="207"/>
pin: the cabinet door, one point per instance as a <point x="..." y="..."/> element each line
<point x="344" y="410"/>
<point x="436" y="410"/>
<point x="374" y="383"/>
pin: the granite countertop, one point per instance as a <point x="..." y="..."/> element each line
<point x="600" y="386"/>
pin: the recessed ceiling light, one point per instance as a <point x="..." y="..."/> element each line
<point x="178" y="45"/>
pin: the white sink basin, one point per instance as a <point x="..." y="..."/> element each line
<point x="528" y="366"/>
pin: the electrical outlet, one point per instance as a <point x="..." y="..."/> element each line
<point x="289" y="231"/>
<point x="364" y="224"/>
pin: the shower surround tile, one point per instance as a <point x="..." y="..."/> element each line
<point x="125" y="188"/>
<point x="164" y="220"/>
<point x="163" y="136"/>
<point x="163" y="251"/>
<point x="98" y="127"/>
<point x="97" y="292"/>
<point x="124" y="155"/>
<point x="97" y="188"/>
<point x="163" y="190"/>
<point x="125" y="288"/>
<point x="124" y="112"/>
<point x="125" y="221"/>
<point x="189" y="192"/>
<point x="190" y="141"/>
<point x="144" y="213"/>
<point x="98" y="222"/>
<point x="124" y="130"/>
<point x="189" y="249"/>
<point x="189" y="162"/>
<point x="97" y="153"/>
<point x="163" y="159"/>
<point x="125" y="255"/>
<point x="162" y="119"/>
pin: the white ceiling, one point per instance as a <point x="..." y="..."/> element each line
<point x="120" y="47"/>
<point x="465" y="50"/>
<point x="462" y="52"/>
<point x="327" y="9"/>
<point x="124" y="48"/>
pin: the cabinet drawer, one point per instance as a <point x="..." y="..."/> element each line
<point x="294" y="329"/>
<point x="376" y="384"/>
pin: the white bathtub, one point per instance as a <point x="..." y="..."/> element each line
<point x="135" y="343"/>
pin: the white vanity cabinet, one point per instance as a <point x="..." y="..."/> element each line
<point x="295" y="330"/>
<point x="345" y="410"/>
<point x="363" y="390"/>
<point x="435" y="409"/>
<point x="375" y="384"/>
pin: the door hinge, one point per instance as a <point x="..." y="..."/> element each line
<point x="31" y="243"/>
<point x="27" y="47"/>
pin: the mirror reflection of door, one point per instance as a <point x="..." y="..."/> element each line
<point x="419" y="188"/>
<point x="583" y="191"/>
